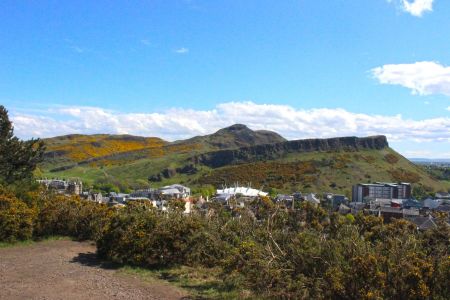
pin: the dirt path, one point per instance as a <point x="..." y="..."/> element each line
<point x="70" y="270"/>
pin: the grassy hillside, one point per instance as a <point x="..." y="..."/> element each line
<point x="325" y="171"/>
<point x="129" y="161"/>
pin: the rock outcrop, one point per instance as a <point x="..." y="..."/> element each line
<point x="272" y="151"/>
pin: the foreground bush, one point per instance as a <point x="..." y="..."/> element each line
<point x="71" y="216"/>
<point x="16" y="219"/>
<point x="268" y="250"/>
<point x="143" y="236"/>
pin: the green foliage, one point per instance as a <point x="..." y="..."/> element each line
<point x="421" y="192"/>
<point x="71" y="216"/>
<point x="204" y="190"/>
<point x="143" y="236"/>
<point x="266" y="249"/>
<point x="18" y="159"/>
<point x="105" y="187"/>
<point x="16" y="218"/>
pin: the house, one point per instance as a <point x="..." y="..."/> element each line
<point x="357" y="207"/>
<point x="389" y="213"/>
<point x="423" y="222"/>
<point x="411" y="203"/>
<point x="286" y="200"/>
<point x="137" y="199"/>
<point x="147" y="193"/>
<point x="344" y="209"/>
<point x="119" y="197"/>
<point x="74" y="187"/>
<point x="412" y="212"/>
<point x="431" y="203"/>
<point x="224" y="198"/>
<point x="175" y="191"/>
<point x="381" y="202"/>
<point x="312" y="198"/>
<point x="442" y="195"/>
<point x="114" y="203"/>
<point x="297" y="196"/>
<point x="95" y="197"/>
<point x="334" y="200"/>
<point x="445" y="208"/>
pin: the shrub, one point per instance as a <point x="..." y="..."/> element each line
<point x="139" y="235"/>
<point x="16" y="219"/>
<point x="391" y="158"/>
<point x="71" y="216"/>
<point x="401" y="175"/>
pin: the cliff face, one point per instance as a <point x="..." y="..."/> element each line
<point x="222" y="158"/>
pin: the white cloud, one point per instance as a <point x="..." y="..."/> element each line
<point x="183" y="123"/>
<point x="78" y="49"/>
<point x="182" y="50"/>
<point x="423" y="78"/>
<point x="145" y="42"/>
<point x="448" y="108"/>
<point x="417" y="7"/>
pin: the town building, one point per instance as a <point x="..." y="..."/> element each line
<point x="364" y="192"/>
<point x="72" y="187"/>
<point x="176" y="191"/>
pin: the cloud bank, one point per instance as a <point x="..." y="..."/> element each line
<point x="417" y="7"/>
<point x="414" y="7"/>
<point x="176" y="124"/>
<point x="423" y="78"/>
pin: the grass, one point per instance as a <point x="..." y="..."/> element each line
<point x="201" y="283"/>
<point x="32" y="242"/>
<point x="336" y="172"/>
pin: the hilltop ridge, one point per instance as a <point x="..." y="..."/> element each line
<point x="235" y="136"/>
<point x="235" y="153"/>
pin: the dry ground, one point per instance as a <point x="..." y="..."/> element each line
<point x="64" y="269"/>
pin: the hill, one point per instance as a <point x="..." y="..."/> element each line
<point x="233" y="154"/>
<point x="235" y="136"/>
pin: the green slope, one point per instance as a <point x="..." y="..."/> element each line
<point x="263" y="160"/>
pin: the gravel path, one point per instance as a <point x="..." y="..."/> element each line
<point x="70" y="270"/>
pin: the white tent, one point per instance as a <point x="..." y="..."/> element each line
<point x="245" y="191"/>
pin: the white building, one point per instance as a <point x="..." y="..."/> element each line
<point x="312" y="198"/>
<point x="244" y="191"/>
<point x="175" y="191"/>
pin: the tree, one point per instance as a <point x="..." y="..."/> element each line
<point x="18" y="159"/>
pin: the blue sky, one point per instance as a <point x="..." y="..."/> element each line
<point x="305" y="68"/>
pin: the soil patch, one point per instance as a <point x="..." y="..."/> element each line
<point x="65" y="269"/>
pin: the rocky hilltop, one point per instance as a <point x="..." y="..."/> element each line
<point x="273" y="151"/>
<point x="235" y="136"/>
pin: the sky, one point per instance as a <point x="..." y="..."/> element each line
<point x="179" y="68"/>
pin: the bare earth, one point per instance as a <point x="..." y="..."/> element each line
<point x="70" y="270"/>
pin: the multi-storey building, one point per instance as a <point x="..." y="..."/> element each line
<point x="381" y="190"/>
